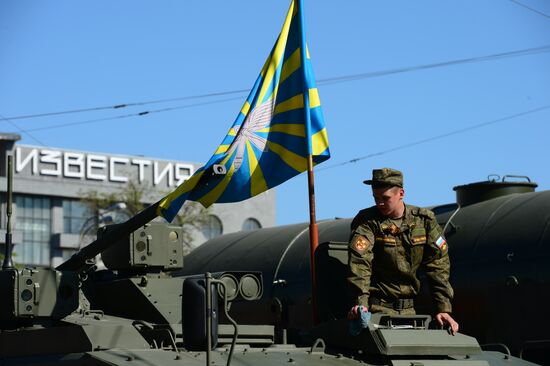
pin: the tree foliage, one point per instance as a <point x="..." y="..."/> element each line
<point x="115" y="207"/>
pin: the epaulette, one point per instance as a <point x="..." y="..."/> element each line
<point x="424" y="212"/>
<point x="364" y="216"/>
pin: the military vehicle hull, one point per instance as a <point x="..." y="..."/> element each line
<point x="143" y="316"/>
<point x="499" y="249"/>
<point x="146" y="308"/>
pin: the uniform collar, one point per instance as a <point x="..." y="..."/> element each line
<point x="408" y="218"/>
<point x="406" y="224"/>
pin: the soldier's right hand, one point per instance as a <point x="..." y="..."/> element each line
<point x="447" y="319"/>
<point x="355" y="312"/>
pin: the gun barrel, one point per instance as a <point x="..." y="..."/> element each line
<point x="78" y="260"/>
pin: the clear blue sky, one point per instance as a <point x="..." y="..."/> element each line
<point x="65" y="55"/>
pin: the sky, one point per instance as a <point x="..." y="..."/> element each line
<point x="449" y="92"/>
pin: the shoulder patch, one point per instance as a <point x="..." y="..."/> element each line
<point x="359" y="244"/>
<point x="441" y="243"/>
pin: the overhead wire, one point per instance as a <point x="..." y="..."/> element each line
<point x="436" y="137"/>
<point x="21" y="130"/>
<point x="126" y="105"/>
<point x="532" y="9"/>
<point x="524" y="52"/>
<point x="321" y="82"/>
<point x="139" y="114"/>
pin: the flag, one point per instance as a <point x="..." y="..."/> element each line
<point x="273" y="134"/>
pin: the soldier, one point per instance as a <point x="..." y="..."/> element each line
<point x="389" y="242"/>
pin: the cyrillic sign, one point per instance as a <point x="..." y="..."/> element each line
<point x="93" y="167"/>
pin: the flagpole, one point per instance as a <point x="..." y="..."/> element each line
<point x="313" y="238"/>
<point x="313" y="233"/>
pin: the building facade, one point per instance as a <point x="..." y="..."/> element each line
<point x="50" y="222"/>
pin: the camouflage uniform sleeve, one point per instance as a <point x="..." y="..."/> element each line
<point x="360" y="262"/>
<point x="437" y="266"/>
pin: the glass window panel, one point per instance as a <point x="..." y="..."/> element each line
<point x="251" y="224"/>
<point x="45" y="254"/>
<point x="36" y="253"/>
<point x="20" y="253"/>
<point x="46" y="208"/>
<point x="45" y="236"/>
<point x="79" y="224"/>
<point x="19" y="201"/>
<point x="36" y="208"/>
<point x="28" y="253"/>
<point x="79" y="209"/>
<point x="33" y="218"/>
<point x="212" y="227"/>
<point x="75" y="213"/>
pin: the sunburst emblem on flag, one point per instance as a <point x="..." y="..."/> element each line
<point x="258" y="119"/>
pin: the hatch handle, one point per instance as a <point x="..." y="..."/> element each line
<point x="516" y="176"/>
<point x="36" y="295"/>
<point x="318" y="346"/>
<point x="148" y="241"/>
<point x="493" y="177"/>
<point x="496" y="345"/>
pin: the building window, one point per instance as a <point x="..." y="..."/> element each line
<point x="75" y="214"/>
<point x="33" y="219"/>
<point x="251" y="224"/>
<point x="212" y="227"/>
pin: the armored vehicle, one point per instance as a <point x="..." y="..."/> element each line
<point x="499" y="235"/>
<point x="148" y="308"/>
<point x="499" y="241"/>
<point x="136" y="313"/>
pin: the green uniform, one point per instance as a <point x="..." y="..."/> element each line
<point x="385" y="255"/>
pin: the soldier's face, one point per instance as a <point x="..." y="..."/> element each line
<point x="389" y="200"/>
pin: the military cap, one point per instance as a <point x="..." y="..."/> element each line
<point x="386" y="177"/>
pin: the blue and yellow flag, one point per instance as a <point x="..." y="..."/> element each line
<point x="273" y="134"/>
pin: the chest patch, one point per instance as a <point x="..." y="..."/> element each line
<point x="421" y="239"/>
<point x="390" y="229"/>
<point x="388" y="240"/>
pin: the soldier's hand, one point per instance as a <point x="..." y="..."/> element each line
<point x="446" y="318"/>
<point x="355" y="312"/>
